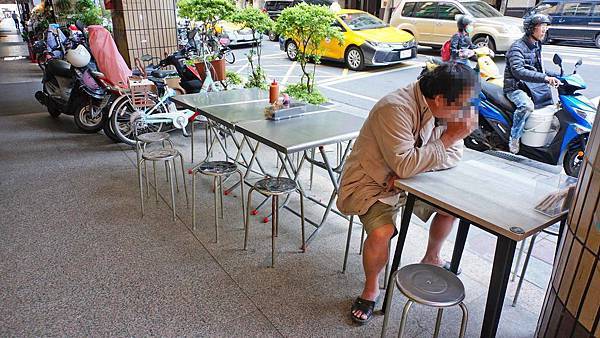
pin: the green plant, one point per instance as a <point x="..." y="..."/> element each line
<point x="258" y="22"/>
<point x="300" y="92"/>
<point x="232" y="79"/>
<point x="308" y="26"/>
<point x="63" y="6"/>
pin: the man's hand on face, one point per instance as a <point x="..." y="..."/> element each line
<point x="459" y="129"/>
<point x="554" y="82"/>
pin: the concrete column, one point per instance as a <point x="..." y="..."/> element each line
<point x="144" y="27"/>
<point x="571" y="307"/>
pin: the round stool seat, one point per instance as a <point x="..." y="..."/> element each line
<point x="153" y="137"/>
<point x="164" y="154"/>
<point x="276" y="185"/>
<point x="217" y="168"/>
<point x="430" y="285"/>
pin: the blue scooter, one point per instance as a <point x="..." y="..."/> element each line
<point x="574" y="120"/>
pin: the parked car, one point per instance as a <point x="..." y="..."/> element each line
<point x="434" y="22"/>
<point x="368" y="41"/>
<point x="572" y="20"/>
<point x="274" y="8"/>
<point x="237" y="34"/>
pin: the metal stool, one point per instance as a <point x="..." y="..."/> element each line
<point x="168" y="156"/>
<point x="429" y="285"/>
<point x="275" y="187"/>
<point x="149" y="138"/>
<point x="216" y="169"/>
<point x="360" y="250"/>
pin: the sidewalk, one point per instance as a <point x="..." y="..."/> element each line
<point x="19" y="78"/>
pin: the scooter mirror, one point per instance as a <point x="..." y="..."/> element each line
<point x="557" y="60"/>
<point x="146" y="58"/>
<point x="80" y="26"/>
<point x="578" y="63"/>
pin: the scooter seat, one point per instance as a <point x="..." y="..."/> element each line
<point x="59" y="68"/>
<point x="496" y="94"/>
<point x="161" y="74"/>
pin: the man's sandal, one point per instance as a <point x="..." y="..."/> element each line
<point x="367" y="308"/>
<point x="447" y="265"/>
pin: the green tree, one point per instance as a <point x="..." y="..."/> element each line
<point x="258" y="22"/>
<point x="308" y="26"/>
<point x="208" y="12"/>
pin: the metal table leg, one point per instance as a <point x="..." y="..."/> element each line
<point x="406" y="215"/>
<point x="459" y="244"/>
<point x="503" y="257"/>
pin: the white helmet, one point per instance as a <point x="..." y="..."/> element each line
<point x="78" y="57"/>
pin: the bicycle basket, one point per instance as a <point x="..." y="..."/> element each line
<point x="140" y="90"/>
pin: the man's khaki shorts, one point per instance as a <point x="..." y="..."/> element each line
<point x="380" y="214"/>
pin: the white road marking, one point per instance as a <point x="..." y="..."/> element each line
<point x="363" y="75"/>
<point x="368" y="98"/>
<point x="289" y="72"/>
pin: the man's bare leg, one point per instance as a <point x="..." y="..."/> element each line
<point x="441" y="226"/>
<point x="375" y="257"/>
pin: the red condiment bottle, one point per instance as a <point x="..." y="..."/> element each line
<point x="273" y="92"/>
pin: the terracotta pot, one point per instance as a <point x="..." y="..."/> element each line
<point x="217" y="69"/>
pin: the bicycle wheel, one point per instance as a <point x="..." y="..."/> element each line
<point x="229" y="56"/>
<point x="123" y="116"/>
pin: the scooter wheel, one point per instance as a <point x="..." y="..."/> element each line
<point x="83" y="117"/>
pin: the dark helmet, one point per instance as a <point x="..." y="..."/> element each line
<point x="39" y="47"/>
<point x="532" y="21"/>
<point x="463" y="21"/>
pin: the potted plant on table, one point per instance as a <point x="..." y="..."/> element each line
<point x="208" y="13"/>
<point x="306" y="27"/>
<point x="258" y="22"/>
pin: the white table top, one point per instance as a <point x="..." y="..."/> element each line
<point x="494" y="193"/>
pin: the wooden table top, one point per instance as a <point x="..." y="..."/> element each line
<point x="494" y="193"/>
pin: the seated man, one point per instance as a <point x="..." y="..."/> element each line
<point x="412" y="130"/>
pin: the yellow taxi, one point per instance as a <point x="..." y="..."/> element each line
<point x="368" y="41"/>
<point x="236" y="33"/>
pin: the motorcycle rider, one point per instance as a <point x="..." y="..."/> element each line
<point x="461" y="46"/>
<point x="524" y="67"/>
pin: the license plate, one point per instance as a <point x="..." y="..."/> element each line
<point x="405" y="53"/>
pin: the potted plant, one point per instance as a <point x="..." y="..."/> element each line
<point x="307" y="26"/>
<point x="258" y="22"/>
<point x="208" y="13"/>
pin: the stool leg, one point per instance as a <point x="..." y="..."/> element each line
<point x="465" y="318"/>
<point x="147" y="184"/>
<point x="247" y="223"/>
<point x="192" y="141"/>
<point x="348" y="243"/>
<point x="187" y="201"/>
<point x="303" y="247"/>
<point x="221" y="195"/>
<point x="242" y="197"/>
<point x="438" y="322"/>
<point x="312" y="168"/>
<point x="193" y="200"/>
<point x="388" y="304"/>
<point x="274" y="215"/>
<point x="155" y="181"/>
<point x="404" y="317"/>
<point x="141" y="185"/>
<point x="170" y="176"/>
<point x="362" y="241"/>
<point x="216" y="210"/>
<point x="175" y="174"/>
<point x="274" y="211"/>
<point x="525" y="263"/>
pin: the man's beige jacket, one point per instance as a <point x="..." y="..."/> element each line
<point x="399" y="138"/>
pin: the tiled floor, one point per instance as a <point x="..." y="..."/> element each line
<point x="77" y="259"/>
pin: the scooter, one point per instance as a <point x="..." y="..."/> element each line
<point x="71" y="87"/>
<point x="572" y="123"/>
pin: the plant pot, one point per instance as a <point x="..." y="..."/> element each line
<point x="217" y="69"/>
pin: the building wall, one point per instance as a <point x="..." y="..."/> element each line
<point x="572" y="304"/>
<point x="144" y="27"/>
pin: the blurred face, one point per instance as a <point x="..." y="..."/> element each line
<point x="540" y="31"/>
<point x="458" y="111"/>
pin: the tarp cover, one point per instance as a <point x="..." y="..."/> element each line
<point x="109" y="60"/>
